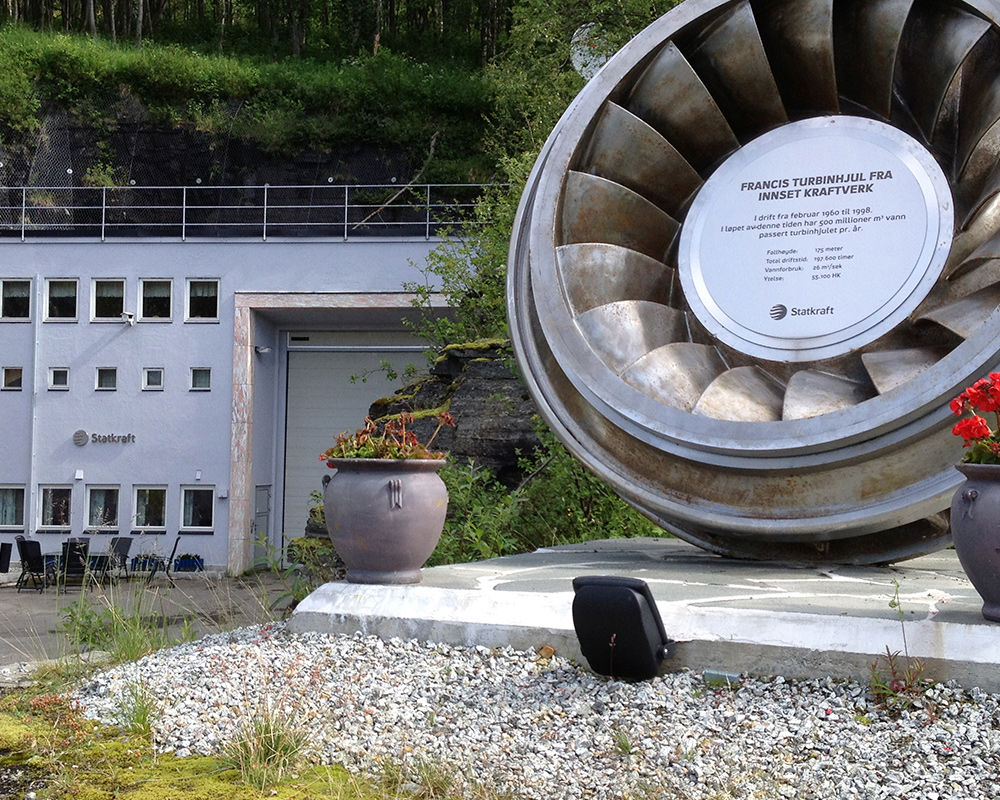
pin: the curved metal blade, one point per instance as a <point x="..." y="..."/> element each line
<point x="965" y="316"/>
<point x="891" y="368"/>
<point x="985" y="272"/>
<point x="979" y="107"/>
<point x="983" y="226"/>
<point x="671" y="97"/>
<point x="980" y="181"/>
<point x="987" y="251"/>
<point x="811" y="393"/>
<point x="593" y="274"/>
<point x="676" y="374"/>
<point x="598" y="210"/>
<point x="867" y="36"/>
<point x="729" y="57"/>
<point x="946" y="34"/>
<point x="742" y="394"/>
<point x="798" y="39"/>
<point x="628" y="151"/>
<point x="624" y="331"/>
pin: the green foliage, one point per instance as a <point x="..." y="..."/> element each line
<point x="382" y="99"/>
<point x="559" y="502"/>
<point x="305" y="564"/>
<point x="126" y="634"/>
<point x="899" y="684"/>
<point x="266" y="748"/>
<point x="138" y="711"/>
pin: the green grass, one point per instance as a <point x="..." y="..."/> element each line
<point x="383" y="100"/>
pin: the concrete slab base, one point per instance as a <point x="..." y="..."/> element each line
<point x="726" y="615"/>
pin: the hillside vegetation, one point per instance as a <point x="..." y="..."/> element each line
<point x="455" y="86"/>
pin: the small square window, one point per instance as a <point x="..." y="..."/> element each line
<point x="59" y="378"/>
<point x="203" y="299"/>
<point x="201" y="379"/>
<point x="12" y="377"/>
<point x="60" y="299"/>
<point x="11" y="507"/>
<point x="102" y="507"/>
<point x="15" y="299"/>
<point x="107" y="379"/>
<point x="54" y="506"/>
<point x="150" y="504"/>
<point x="154" y="299"/>
<point x="152" y="379"/>
<point x="197" y="507"/>
<point x="108" y="299"/>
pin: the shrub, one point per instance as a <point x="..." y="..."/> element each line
<point x="559" y="502"/>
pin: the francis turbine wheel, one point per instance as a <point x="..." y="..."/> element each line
<point x="755" y="259"/>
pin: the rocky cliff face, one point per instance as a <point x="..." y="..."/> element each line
<point x="493" y="412"/>
<point x="66" y="152"/>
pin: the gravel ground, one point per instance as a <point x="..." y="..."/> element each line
<point x="539" y="727"/>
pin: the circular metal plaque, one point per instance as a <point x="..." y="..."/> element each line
<point x="80" y="438"/>
<point x="816" y="238"/>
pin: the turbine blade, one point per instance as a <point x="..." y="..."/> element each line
<point x="671" y="97"/>
<point x="676" y="374"/>
<point x="891" y="368"/>
<point x="626" y="150"/>
<point x="742" y="394"/>
<point x="598" y="210"/>
<point x="624" y="331"/>
<point x="593" y="274"/>
<point x="811" y="393"/>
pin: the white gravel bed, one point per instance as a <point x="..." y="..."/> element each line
<point x="547" y="728"/>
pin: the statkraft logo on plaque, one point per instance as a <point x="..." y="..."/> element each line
<point x="816" y="238"/>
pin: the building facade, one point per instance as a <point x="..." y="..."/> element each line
<point x="159" y="387"/>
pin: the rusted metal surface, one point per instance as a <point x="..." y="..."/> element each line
<point x="848" y="458"/>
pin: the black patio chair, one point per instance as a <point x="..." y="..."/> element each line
<point x="117" y="556"/>
<point x="5" y="550"/>
<point x="32" y="564"/>
<point x="165" y="565"/>
<point x="74" y="563"/>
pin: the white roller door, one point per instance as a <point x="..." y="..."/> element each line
<point x="322" y="402"/>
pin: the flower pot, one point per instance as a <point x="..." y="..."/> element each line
<point x="975" y="530"/>
<point x="385" y="516"/>
<point x="196" y="564"/>
<point x="146" y="563"/>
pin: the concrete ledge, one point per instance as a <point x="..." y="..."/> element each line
<point x="728" y="616"/>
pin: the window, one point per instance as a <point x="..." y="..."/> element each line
<point x="201" y="379"/>
<point x="154" y="299"/>
<point x="152" y="379"/>
<point x="102" y="506"/>
<point x="15" y="299"/>
<point x="150" y="504"/>
<point x="60" y="299"/>
<point x="197" y="507"/>
<point x="107" y="379"/>
<point x="202" y="300"/>
<point x="107" y="299"/>
<point x="11" y="507"/>
<point x="12" y="377"/>
<point x="59" y="378"/>
<point x="54" y="506"/>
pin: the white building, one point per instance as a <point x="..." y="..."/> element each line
<point x="184" y="383"/>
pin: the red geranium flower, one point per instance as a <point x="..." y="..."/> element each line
<point x="972" y="428"/>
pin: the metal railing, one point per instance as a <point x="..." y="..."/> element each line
<point x="333" y="211"/>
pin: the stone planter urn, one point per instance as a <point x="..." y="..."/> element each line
<point x="975" y="530"/>
<point x="385" y="516"/>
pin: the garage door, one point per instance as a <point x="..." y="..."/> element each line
<point x="322" y="401"/>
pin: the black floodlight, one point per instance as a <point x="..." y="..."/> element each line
<point x="619" y="627"/>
